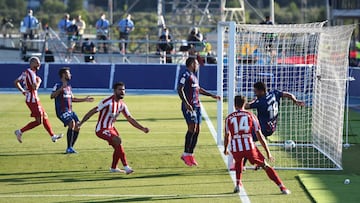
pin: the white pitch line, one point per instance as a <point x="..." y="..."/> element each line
<point x="111" y="195"/>
<point x="243" y="196"/>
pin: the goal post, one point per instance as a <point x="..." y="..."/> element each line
<point x="307" y="60"/>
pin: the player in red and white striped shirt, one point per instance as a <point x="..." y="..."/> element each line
<point x="28" y="83"/>
<point x="109" y="109"/>
<point x="239" y="126"/>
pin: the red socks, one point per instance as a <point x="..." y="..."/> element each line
<point x="29" y="126"/>
<point x="117" y="155"/>
<point x="238" y="168"/>
<point x="34" y="124"/>
<point x="273" y="175"/>
<point x="47" y="126"/>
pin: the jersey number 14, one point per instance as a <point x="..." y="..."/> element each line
<point x="242" y="126"/>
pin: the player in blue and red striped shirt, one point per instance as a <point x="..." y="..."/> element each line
<point x="189" y="90"/>
<point x="62" y="93"/>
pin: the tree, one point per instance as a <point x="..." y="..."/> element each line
<point x="75" y="5"/>
<point x="7" y="10"/>
<point x="52" y="7"/>
<point x="20" y="5"/>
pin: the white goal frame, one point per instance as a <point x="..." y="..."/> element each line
<point x="227" y="34"/>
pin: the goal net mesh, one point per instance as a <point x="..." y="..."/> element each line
<point x="307" y="60"/>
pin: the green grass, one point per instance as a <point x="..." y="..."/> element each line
<point x="354" y="126"/>
<point x="39" y="167"/>
<point x="331" y="188"/>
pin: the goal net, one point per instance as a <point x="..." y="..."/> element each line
<point x="307" y="60"/>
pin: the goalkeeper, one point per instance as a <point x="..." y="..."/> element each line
<point x="267" y="107"/>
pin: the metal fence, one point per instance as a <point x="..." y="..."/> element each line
<point x="51" y="46"/>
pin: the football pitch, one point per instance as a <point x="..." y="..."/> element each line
<point x="38" y="170"/>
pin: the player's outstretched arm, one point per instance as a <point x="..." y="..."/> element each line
<point x="206" y="93"/>
<point x="19" y="87"/>
<point x="248" y="104"/>
<point x="293" y="98"/>
<point x="136" y="124"/>
<point x="85" y="99"/>
<point x="264" y="144"/>
<point x="88" y="115"/>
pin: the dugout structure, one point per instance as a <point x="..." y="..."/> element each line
<point x="307" y="60"/>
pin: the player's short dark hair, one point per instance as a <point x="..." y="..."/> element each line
<point x="189" y="61"/>
<point x="63" y="70"/>
<point x="260" y="86"/>
<point x="116" y="85"/>
<point x="239" y="100"/>
<point x="34" y="59"/>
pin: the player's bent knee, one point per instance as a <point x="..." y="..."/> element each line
<point x="197" y="128"/>
<point x="192" y="127"/>
<point x="77" y="128"/>
<point x="71" y="124"/>
<point x="265" y="166"/>
<point x="116" y="140"/>
<point x="39" y="120"/>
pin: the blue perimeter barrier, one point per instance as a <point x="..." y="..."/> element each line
<point x="135" y="76"/>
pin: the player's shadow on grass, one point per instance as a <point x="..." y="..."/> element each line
<point x="163" y="198"/>
<point x="24" y="154"/>
<point x="145" y="119"/>
<point x="24" y="178"/>
<point x="156" y="119"/>
<point x="32" y="178"/>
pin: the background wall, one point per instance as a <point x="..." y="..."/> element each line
<point x="135" y="76"/>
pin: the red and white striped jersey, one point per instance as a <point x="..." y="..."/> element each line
<point x="241" y="124"/>
<point x="109" y="110"/>
<point x="28" y="78"/>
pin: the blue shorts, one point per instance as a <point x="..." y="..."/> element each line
<point x="192" y="117"/>
<point x="67" y="117"/>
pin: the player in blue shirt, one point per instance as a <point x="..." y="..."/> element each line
<point x="62" y="93"/>
<point x="188" y="90"/>
<point x="267" y="105"/>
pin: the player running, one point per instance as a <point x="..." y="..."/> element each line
<point x="188" y="90"/>
<point x="110" y="108"/>
<point x="62" y="93"/>
<point x="239" y="126"/>
<point x="28" y="83"/>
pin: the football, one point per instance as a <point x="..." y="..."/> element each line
<point x="289" y="144"/>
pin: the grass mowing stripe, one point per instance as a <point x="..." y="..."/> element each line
<point x="243" y="196"/>
<point x="114" y="195"/>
